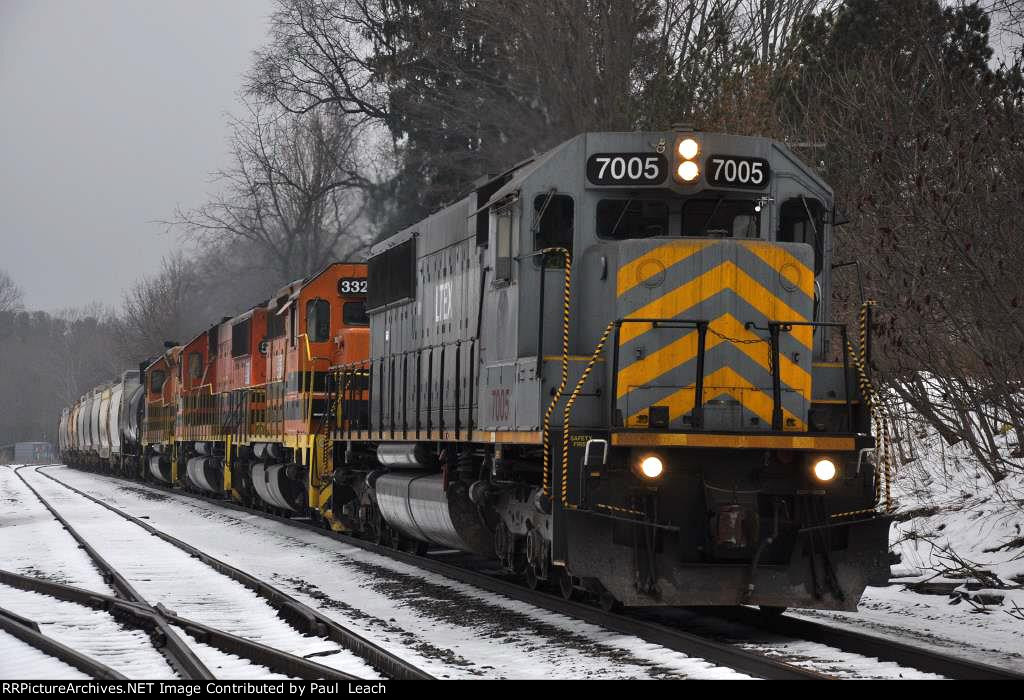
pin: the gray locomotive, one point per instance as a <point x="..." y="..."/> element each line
<point x="612" y="368"/>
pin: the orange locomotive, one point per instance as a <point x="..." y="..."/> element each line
<point x="242" y="410"/>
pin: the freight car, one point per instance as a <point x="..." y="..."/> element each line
<point x="610" y="368"/>
<point x="101" y="430"/>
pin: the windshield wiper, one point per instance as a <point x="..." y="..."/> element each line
<point x="621" y="215"/>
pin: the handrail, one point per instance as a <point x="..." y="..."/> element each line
<point x="774" y="328"/>
<point x="699" y="325"/>
<point x="388" y="366"/>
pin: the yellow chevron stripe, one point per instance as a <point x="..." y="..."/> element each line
<point x="636" y="271"/>
<point x="777" y="258"/>
<point x="725" y="276"/>
<point x="725" y="380"/>
<point x="684" y="349"/>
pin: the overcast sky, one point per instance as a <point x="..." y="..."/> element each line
<point x="111" y="114"/>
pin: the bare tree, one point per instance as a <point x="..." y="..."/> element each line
<point x="926" y="153"/>
<point x="292" y="192"/>
<point x="322" y="52"/>
<point x="83" y="351"/>
<point x="10" y="293"/>
<point x="771" y="25"/>
<point x="160" y="308"/>
<point x="1008" y="16"/>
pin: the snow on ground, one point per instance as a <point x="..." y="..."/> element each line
<point x="21" y="661"/>
<point x="961" y="534"/>
<point x="35" y="544"/>
<point x="449" y="629"/>
<point x="165" y="574"/>
<point x="836" y="662"/>
<point x="822" y="658"/>
<point x="92" y="632"/>
<point x="228" y="667"/>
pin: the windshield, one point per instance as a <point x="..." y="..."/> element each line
<point x="646" y="217"/>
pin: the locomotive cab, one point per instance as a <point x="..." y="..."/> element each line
<point x="311" y="325"/>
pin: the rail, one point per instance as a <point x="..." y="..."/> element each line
<point x="299" y="615"/>
<point x="145" y="618"/>
<point x="178" y="654"/>
<point x="28" y="631"/>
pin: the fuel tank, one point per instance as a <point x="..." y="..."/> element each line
<point x="160" y="468"/>
<point x="206" y="473"/>
<point x="417" y="505"/>
<point x="280" y="485"/>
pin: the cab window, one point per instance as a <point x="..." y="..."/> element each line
<point x="802" y="220"/>
<point x="721" y="218"/>
<point x="275" y="325"/>
<point x="318" y="320"/>
<point x="156" y="380"/>
<point x="553" y="224"/>
<point x="353" y="313"/>
<point x="503" y="246"/>
<point x="240" y="338"/>
<point x="632" y="218"/>
<point x="195" y="365"/>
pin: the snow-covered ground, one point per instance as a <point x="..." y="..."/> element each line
<point x="957" y="530"/>
<point x="167" y="575"/>
<point x="35" y="544"/>
<point x="474" y="633"/>
<point x="449" y="629"/>
<point x="25" y="662"/>
<point x="92" y="632"/>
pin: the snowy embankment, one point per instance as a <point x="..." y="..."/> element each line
<point x="959" y="539"/>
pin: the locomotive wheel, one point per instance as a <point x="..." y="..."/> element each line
<point x="608" y="602"/>
<point x="565" y="585"/>
<point x="532" y="582"/>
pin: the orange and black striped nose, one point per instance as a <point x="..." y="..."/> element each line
<point x="738" y="288"/>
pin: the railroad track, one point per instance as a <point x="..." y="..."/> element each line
<point x="668" y="634"/>
<point x="871" y="645"/>
<point x="27" y="631"/>
<point x="720" y="654"/>
<point x="215" y="584"/>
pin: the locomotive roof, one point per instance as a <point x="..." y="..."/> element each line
<point x="291" y="291"/>
<point x="452" y="221"/>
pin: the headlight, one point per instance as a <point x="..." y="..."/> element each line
<point x="825" y="470"/>
<point x="652" y="467"/>
<point x="688" y="149"/>
<point x="688" y="171"/>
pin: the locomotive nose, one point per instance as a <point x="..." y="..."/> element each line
<point x="704" y="307"/>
